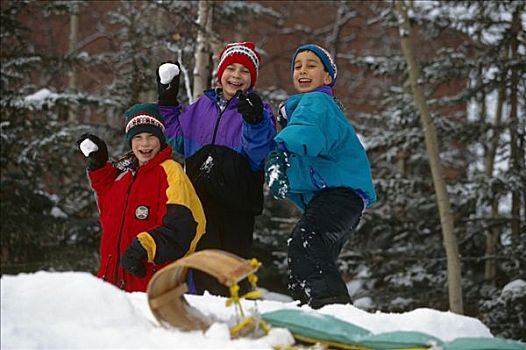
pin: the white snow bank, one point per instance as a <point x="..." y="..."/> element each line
<point x="74" y="310"/>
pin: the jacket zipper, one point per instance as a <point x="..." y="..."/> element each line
<point x="118" y="261"/>
<point x="219" y="118"/>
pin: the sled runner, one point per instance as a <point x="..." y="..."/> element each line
<point x="167" y="288"/>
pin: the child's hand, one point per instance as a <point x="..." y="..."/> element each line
<point x="276" y="174"/>
<point x="96" y="149"/>
<point x="168" y="83"/>
<point x="134" y="259"/>
<point x="250" y="107"/>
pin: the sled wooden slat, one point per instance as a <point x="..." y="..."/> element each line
<point x="166" y="297"/>
<point x="225" y="267"/>
<point x="167" y="288"/>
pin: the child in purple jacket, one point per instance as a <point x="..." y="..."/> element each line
<point x="224" y="138"/>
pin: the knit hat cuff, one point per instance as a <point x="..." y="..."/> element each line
<point x="324" y="56"/>
<point x="143" y="119"/>
<point x="243" y="53"/>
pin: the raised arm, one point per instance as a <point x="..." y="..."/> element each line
<point x="168" y="75"/>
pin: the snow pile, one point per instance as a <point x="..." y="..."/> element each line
<point x="74" y="310"/>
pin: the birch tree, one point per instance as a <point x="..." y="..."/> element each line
<point x="203" y="50"/>
<point x="431" y="141"/>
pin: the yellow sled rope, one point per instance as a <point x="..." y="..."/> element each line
<point x="167" y="288"/>
<point x="252" y="324"/>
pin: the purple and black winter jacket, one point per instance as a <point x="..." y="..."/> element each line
<point x="224" y="155"/>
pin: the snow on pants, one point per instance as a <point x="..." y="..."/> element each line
<point x="315" y="244"/>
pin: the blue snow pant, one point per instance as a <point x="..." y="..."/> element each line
<point x="315" y="244"/>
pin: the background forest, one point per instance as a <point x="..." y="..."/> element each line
<point x="68" y="67"/>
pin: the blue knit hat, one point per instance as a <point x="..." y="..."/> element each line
<point x="144" y="117"/>
<point x="325" y="58"/>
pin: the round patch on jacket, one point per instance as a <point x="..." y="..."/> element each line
<point x="142" y="212"/>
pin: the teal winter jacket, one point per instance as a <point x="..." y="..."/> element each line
<point x="323" y="148"/>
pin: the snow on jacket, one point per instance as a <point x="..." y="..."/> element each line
<point x="224" y="155"/>
<point x="158" y="199"/>
<point x="324" y="150"/>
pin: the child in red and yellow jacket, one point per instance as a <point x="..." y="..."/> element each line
<point x="149" y="211"/>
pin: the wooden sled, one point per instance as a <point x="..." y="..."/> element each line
<point x="167" y="287"/>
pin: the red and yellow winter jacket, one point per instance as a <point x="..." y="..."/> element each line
<point x="159" y="203"/>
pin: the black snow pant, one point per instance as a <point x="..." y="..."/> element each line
<point x="231" y="231"/>
<point x="315" y="244"/>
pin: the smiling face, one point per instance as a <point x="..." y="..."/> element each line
<point x="309" y="72"/>
<point x="145" y="146"/>
<point x="235" y="77"/>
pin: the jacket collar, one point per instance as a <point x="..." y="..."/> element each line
<point x="163" y="155"/>
<point x="325" y="89"/>
<point x="292" y="102"/>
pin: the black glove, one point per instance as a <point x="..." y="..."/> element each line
<point x="167" y="90"/>
<point x="251" y="107"/>
<point x="96" y="158"/>
<point x="134" y="259"/>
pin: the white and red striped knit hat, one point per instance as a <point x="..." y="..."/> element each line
<point x="244" y="53"/>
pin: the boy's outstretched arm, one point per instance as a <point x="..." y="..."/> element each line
<point x="303" y="138"/>
<point x="308" y="129"/>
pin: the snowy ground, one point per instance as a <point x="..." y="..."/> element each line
<point x="74" y="310"/>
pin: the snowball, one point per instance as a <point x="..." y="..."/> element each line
<point x="167" y="72"/>
<point x="87" y="146"/>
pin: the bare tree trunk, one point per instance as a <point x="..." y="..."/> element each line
<point x="72" y="75"/>
<point x="444" y="206"/>
<point x="493" y="236"/>
<point x="514" y="124"/>
<point x="203" y="53"/>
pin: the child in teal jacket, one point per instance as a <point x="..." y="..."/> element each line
<point x="320" y="164"/>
